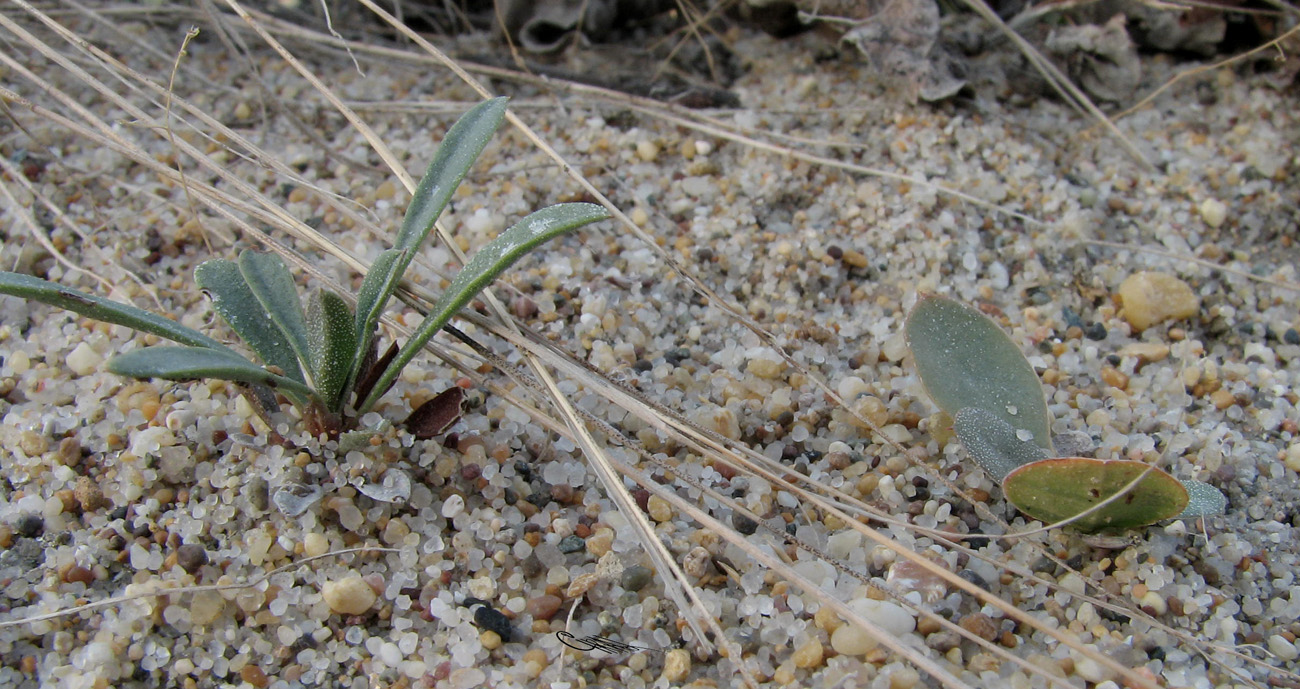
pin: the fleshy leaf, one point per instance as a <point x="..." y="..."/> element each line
<point x="332" y="345"/>
<point x="1053" y="490"/>
<point x="237" y="305"/>
<point x="1203" y="500"/>
<point x="101" y="309"/>
<point x="994" y="443"/>
<point x="481" y="270"/>
<point x="272" y="285"/>
<point x="965" y="360"/>
<point x="191" y="363"/>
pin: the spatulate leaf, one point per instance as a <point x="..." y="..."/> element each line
<point x="240" y="308"/>
<point x="995" y="444"/>
<point x="1054" y="490"/>
<point x="332" y="344"/>
<point x="965" y="360"/>
<point x="272" y="285"/>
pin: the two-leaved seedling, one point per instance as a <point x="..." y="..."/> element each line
<point x="318" y="357"/>
<point x="978" y="376"/>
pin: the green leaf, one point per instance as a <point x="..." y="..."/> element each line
<point x="481" y="270"/>
<point x="452" y="161"/>
<point x="272" y="285"/>
<point x="332" y="344"/>
<point x="236" y="304"/>
<point x="1053" y="490"/>
<point x="191" y="363"/>
<point x="100" y="309"/>
<point x="994" y="443"/>
<point x="380" y="282"/>
<point x="965" y="360"/>
<point x="1203" y="500"/>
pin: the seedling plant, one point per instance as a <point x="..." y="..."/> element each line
<point x="323" y="357"/>
<point x="977" y="375"/>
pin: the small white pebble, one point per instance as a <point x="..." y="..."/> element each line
<point x="1283" y="649"/>
<point x="315" y="544"/>
<point x="84" y="360"/>
<point x="454" y="506"/>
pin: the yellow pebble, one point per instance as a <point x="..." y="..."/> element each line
<point x="659" y="509"/>
<point x="809" y="655"/>
<point x="490" y="640"/>
<point x="677" y="664"/>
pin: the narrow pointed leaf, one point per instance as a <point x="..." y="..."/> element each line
<point x="1203" y="500"/>
<point x="1053" y="490"/>
<point x="101" y="309"/>
<point x="380" y="282"/>
<point x="273" y="286"/>
<point x="995" y="444"/>
<point x="191" y="363"/>
<point x="965" y="360"/>
<point x="332" y="343"/>
<point x="452" y="161"/>
<point x="237" y="305"/>
<point x="481" y="270"/>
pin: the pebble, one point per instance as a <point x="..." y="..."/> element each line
<point x="571" y="544"/>
<point x="767" y="369"/>
<point x="349" y="596"/>
<point x="809" y="655"/>
<point x="659" y="509"/>
<point x="636" y="577"/>
<point x="191" y="557"/>
<point x="677" y="664"/>
<point x="543" y="607"/>
<point x="848" y="640"/>
<point x="493" y="620"/>
<point x="83" y="360"/>
<point x="647" y="151"/>
<point x="908" y="577"/>
<point x="1213" y="212"/>
<point x="980" y="625"/>
<point x="29" y="525"/>
<point x="315" y="544"/>
<point x="600" y="542"/>
<point x="1150" y="298"/>
<point x="1146" y="352"/>
<point x="1282" y="648"/>
<point x="77" y="574"/>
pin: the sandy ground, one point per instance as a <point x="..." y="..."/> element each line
<point x="114" y="487"/>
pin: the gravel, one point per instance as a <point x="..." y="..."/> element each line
<point x="142" y="485"/>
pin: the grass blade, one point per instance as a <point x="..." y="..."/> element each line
<point x="965" y="360"/>
<point x="191" y="363"/>
<point x="237" y="305"/>
<point x="272" y="285"/>
<point x="481" y="270"/>
<point x="101" y="309"/>
<point x="332" y="343"/>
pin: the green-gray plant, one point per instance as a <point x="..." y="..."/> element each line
<point x="980" y="379"/>
<point x="318" y="357"/>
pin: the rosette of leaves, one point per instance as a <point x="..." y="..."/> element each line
<point x="977" y="375"/>
<point x="323" y="355"/>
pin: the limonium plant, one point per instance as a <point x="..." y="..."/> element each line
<point x="980" y="379"/>
<point x="323" y="356"/>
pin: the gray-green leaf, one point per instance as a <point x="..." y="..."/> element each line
<point x="481" y="270"/>
<point x="333" y="345"/>
<point x="1203" y="500"/>
<point x="101" y="309"/>
<point x="994" y="443"/>
<point x="272" y="285"/>
<point x="965" y="360"/>
<point x="191" y="363"/>
<point x="236" y="304"/>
